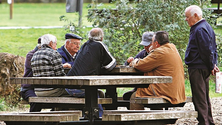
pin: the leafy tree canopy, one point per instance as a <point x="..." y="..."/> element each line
<point x="125" y="24"/>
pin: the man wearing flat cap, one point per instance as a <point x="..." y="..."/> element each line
<point x="70" y="49"/>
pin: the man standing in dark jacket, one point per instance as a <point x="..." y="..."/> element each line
<point x="201" y="58"/>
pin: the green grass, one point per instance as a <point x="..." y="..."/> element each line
<point x="20" y="42"/>
<point x="41" y="14"/>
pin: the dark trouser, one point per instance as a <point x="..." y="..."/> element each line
<point x="127" y="95"/>
<point x="34" y="107"/>
<point x="199" y="81"/>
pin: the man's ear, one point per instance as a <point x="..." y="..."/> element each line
<point x="50" y="43"/>
<point x="195" y="15"/>
<point x="157" y="44"/>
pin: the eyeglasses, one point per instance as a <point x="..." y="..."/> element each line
<point x="75" y="43"/>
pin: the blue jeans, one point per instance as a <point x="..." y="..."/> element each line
<point x="76" y="92"/>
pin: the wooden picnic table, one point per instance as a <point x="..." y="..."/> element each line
<point x="91" y="84"/>
<point x="217" y="10"/>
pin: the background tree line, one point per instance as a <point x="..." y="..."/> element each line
<point x="125" y="24"/>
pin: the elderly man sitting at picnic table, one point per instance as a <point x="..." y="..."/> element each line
<point x="163" y="60"/>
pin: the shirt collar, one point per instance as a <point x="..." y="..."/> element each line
<point x="199" y="21"/>
<point x="69" y="53"/>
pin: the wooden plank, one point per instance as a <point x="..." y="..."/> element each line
<point x="93" y="80"/>
<point x="129" y="111"/>
<point x="215" y="10"/>
<point x="77" y="112"/>
<point x="189" y="99"/>
<point x="148" y="115"/>
<point x="39" y="117"/>
<point x="70" y="100"/>
<point x="216" y="1"/>
<point x="24" y="102"/>
<point x="154" y="100"/>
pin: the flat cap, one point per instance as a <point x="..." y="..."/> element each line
<point x="72" y="36"/>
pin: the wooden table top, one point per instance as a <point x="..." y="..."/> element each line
<point x="92" y="80"/>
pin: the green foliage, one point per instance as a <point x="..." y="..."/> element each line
<point x="70" y="26"/>
<point x="2" y="104"/>
<point x="125" y="24"/>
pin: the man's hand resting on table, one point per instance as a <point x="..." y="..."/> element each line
<point x="134" y="62"/>
<point x="67" y="65"/>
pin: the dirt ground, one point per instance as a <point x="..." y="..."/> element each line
<point x="216" y="108"/>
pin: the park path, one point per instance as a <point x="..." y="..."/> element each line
<point x="35" y="27"/>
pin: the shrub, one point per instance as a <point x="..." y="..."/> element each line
<point x="125" y="24"/>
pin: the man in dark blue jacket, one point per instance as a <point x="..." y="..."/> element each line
<point x="201" y="58"/>
<point x="70" y="49"/>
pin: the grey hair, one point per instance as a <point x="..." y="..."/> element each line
<point x="67" y="40"/>
<point x="96" y="34"/>
<point x="47" y="38"/>
<point x="194" y="9"/>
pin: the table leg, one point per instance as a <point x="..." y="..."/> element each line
<point x="111" y="93"/>
<point x="91" y="110"/>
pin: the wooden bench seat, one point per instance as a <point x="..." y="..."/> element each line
<point x="78" y="112"/>
<point x="159" y="116"/>
<point x="158" y="103"/>
<point x="37" y="118"/>
<point x="65" y="100"/>
<point x="154" y="100"/>
<point x="63" y="103"/>
<point x="68" y="100"/>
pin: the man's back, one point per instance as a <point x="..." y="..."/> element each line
<point x="47" y="62"/>
<point x="92" y="57"/>
<point x="164" y="61"/>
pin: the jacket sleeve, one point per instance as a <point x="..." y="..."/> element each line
<point x="140" y="55"/>
<point x="150" y="62"/>
<point x="28" y="68"/>
<point x="109" y="62"/>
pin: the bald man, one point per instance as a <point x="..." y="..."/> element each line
<point x="93" y="57"/>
